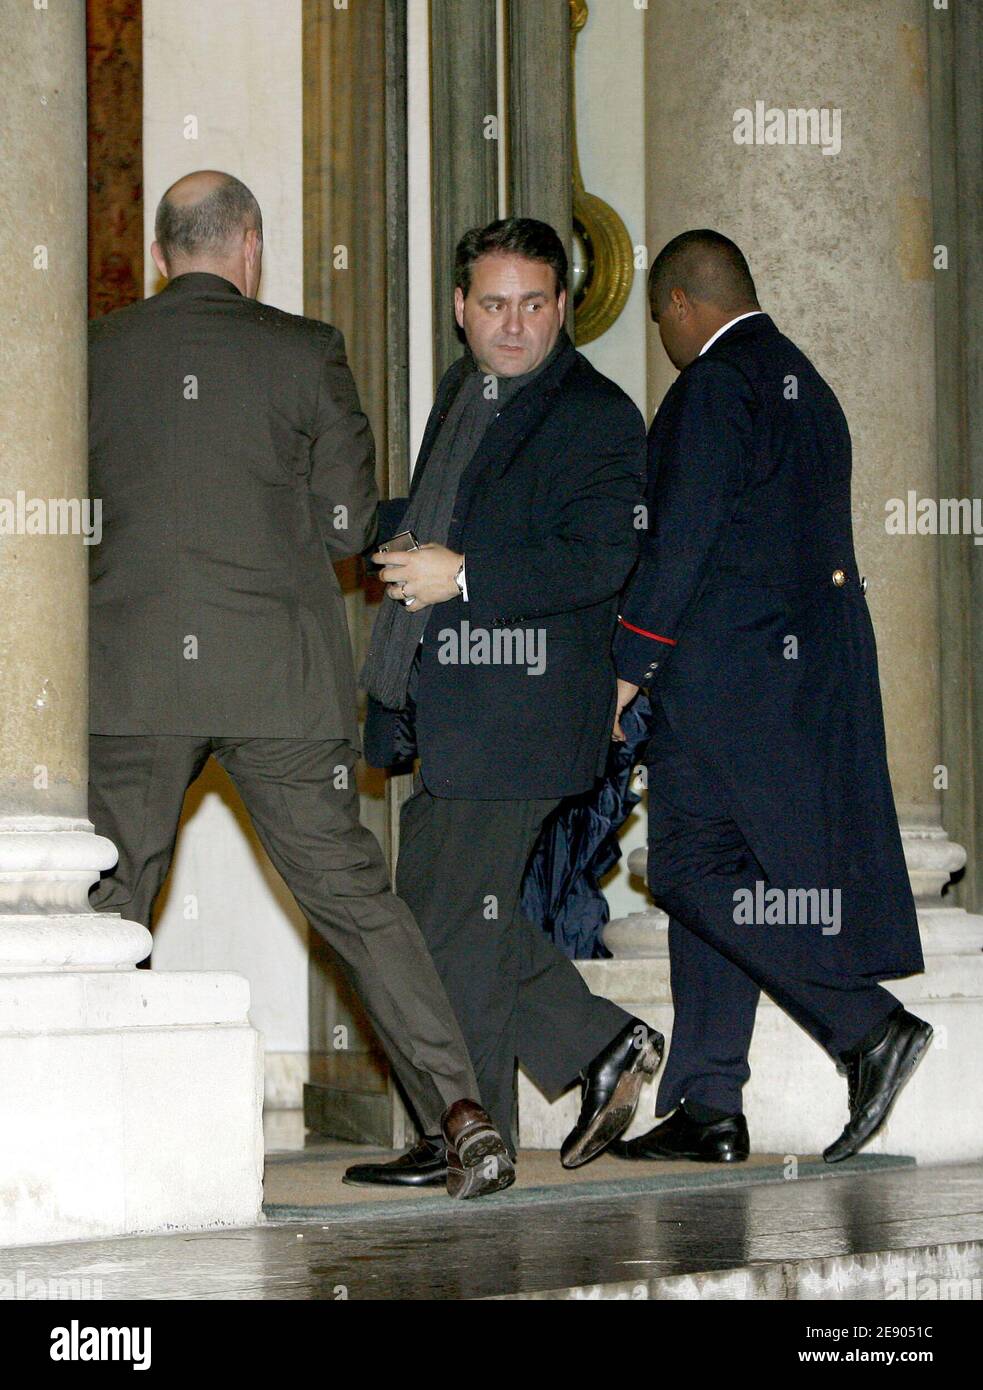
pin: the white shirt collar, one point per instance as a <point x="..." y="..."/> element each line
<point x="724" y="327"/>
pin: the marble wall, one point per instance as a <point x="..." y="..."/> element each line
<point x="114" y="34"/>
<point x="222" y="90"/>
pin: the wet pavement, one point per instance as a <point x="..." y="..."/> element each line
<point x="748" y="1238"/>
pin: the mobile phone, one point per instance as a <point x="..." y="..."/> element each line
<point x="403" y="540"/>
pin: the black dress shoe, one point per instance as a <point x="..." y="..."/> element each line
<point x="612" y="1084"/>
<point x="875" y="1078"/>
<point x="424" y="1165"/>
<point x="720" y="1141"/>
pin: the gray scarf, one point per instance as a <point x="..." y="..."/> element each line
<point x="398" y="630"/>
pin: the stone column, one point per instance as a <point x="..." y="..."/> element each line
<point x="464" y="145"/>
<point x="956" y="96"/>
<point x="540" y="116"/>
<point x="840" y="245"/>
<point x="95" y="1055"/>
<point x="48" y="853"/>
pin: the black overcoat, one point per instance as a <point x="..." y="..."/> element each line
<point x="747" y="618"/>
<point x="545" y="515"/>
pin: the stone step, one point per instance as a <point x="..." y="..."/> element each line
<point x="796" y="1101"/>
<point x="874" y="1229"/>
<point x="930" y="1273"/>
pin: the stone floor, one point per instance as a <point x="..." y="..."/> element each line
<point x="881" y="1228"/>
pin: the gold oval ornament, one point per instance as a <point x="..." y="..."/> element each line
<point x="604" y="259"/>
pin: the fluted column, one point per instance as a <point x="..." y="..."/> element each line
<point x="49" y="856"/>
<point x="465" y="141"/>
<point x="840" y="244"/>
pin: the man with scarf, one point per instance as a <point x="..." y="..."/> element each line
<point x="493" y="663"/>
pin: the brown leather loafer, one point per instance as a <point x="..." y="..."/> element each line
<point x="478" y="1160"/>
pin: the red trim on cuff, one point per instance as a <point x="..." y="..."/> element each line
<point x="669" y="641"/>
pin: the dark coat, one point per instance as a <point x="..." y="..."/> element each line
<point x="545" y="518"/>
<point x="766" y="666"/>
<point x="233" y="463"/>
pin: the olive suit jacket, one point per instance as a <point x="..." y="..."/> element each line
<point x="233" y="464"/>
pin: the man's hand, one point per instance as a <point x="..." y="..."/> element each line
<point x="626" y="693"/>
<point x="420" y="577"/>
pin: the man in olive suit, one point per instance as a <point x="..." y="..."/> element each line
<point x="233" y="463"/>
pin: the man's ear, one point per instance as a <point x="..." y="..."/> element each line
<point x="459" y="306"/>
<point x="561" y="304"/>
<point x="159" y="261"/>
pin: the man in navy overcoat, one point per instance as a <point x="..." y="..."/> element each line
<point x="773" y="838"/>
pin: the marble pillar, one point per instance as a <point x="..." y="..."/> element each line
<point x="102" y="1132"/>
<point x="840" y="245"/>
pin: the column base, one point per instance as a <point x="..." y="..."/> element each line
<point x="131" y="1102"/>
<point x="795" y="1101"/>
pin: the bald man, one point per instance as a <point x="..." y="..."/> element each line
<point x="234" y="463"/>
<point x="773" y="838"/>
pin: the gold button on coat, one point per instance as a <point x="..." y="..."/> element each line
<point x="839" y="578"/>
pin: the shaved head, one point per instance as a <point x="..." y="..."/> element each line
<point x="706" y="266"/>
<point x="698" y="282"/>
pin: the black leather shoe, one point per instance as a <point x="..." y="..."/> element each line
<point x="612" y="1084"/>
<point x="424" y="1165"/>
<point x="875" y="1079"/>
<point x="721" y="1141"/>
